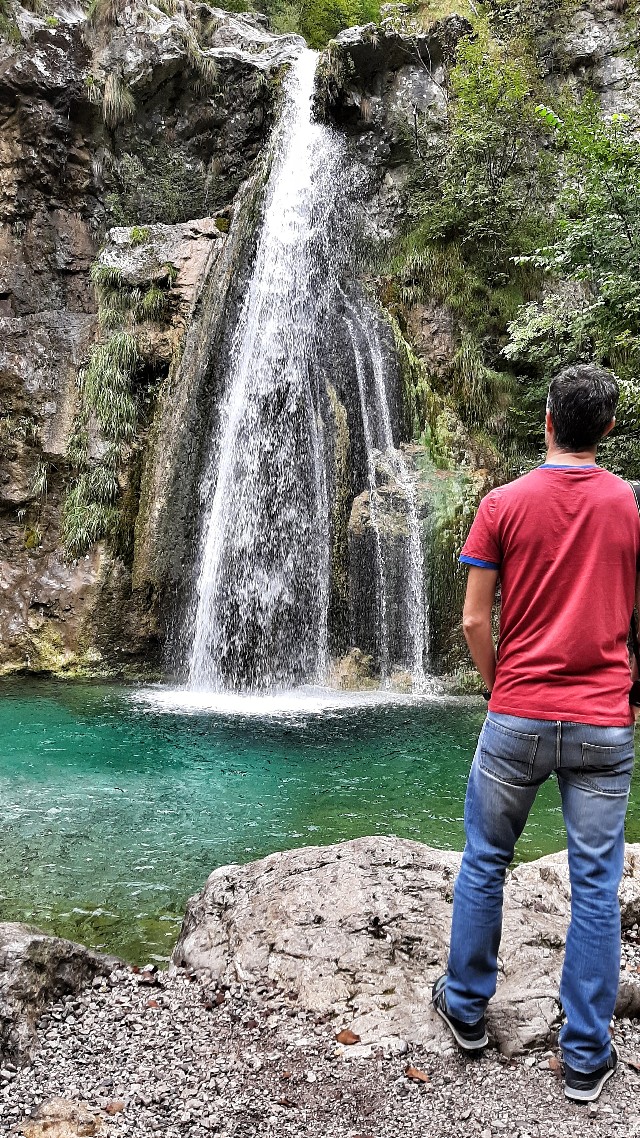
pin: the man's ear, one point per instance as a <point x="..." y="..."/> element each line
<point x="548" y="423"/>
<point x="610" y="427"/>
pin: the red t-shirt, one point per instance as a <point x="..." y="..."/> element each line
<point x="566" y="540"/>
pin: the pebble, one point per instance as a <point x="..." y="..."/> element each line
<point x="194" y="1066"/>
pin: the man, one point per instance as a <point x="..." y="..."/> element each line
<point x="565" y="542"/>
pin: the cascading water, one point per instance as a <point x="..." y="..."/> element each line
<point x="260" y="616"/>
<point x="378" y="435"/>
<point x="261" y="603"/>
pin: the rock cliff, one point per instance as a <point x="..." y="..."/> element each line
<point x="132" y="145"/>
<point x="151" y="125"/>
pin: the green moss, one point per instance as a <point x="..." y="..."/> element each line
<point x="222" y="224"/>
<point x="9" y="30"/>
<point x="32" y="537"/>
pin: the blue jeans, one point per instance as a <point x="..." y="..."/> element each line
<point x="593" y="766"/>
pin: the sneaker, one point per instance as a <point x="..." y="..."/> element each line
<point x="468" y="1036"/>
<point x="586" y="1088"/>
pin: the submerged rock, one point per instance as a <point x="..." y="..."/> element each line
<point x="35" y="969"/>
<point x="359" y="931"/>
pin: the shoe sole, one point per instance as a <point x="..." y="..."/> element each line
<point x="465" y="1044"/>
<point x="591" y="1095"/>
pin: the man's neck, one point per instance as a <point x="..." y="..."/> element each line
<point x="557" y="457"/>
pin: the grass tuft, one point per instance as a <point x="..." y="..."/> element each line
<point x="118" y="104"/>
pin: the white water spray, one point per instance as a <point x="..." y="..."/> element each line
<point x="262" y="592"/>
<point x="260" y="611"/>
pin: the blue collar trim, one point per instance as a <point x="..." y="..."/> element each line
<point x="568" y="466"/>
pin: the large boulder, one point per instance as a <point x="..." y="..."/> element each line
<point x="35" y="969"/>
<point x="360" y="932"/>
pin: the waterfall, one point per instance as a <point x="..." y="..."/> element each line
<point x="370" y="364"/>
<point x="260" y="617"/>
<point x="261" y="601"/>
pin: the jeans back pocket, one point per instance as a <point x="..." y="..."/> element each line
<point x="608" y="769"/>
<point x="506" y="754"/>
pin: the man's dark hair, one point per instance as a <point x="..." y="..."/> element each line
<point x="582" y="402"/>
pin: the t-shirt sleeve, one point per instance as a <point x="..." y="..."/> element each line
<point x="482" y="547"/>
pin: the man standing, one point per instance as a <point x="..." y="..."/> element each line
<point x="565" y="542"/>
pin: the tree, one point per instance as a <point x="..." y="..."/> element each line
<point x="591" y="309"/>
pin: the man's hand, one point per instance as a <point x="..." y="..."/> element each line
<point x="476" y="621"/>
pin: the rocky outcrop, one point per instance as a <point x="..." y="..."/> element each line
<point x="36" y="969"/>
<point x="359" y="932"/>
<point x="154" y="120"/>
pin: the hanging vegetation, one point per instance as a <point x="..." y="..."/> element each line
<point x="109" y="402"/>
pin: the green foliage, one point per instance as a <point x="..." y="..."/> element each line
<point x="484" y="185"/>
<point x="592" y="306"/>
<point x="317" y="20"/>
<point x="205" y="65"/>
<point x="222" y="224"/>
<point x="9" y="30"/>
<point x="108" y="385"/>
<point x="93" y="509"/>
<point x="94" y="90"/>
<point x="16" y="429"/>
<point x="152" y="305"/>
<point x="104" y="13"/>
<point x="139" y="234"/>
<point x="171" y="272"/>
<point x="478" y="202"/>
<point x="86" y="519"/>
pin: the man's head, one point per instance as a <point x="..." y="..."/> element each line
<point x="582" y="403"/>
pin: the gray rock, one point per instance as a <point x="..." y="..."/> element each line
<point x="35" y="969"/>
<point x="360" y="930"/>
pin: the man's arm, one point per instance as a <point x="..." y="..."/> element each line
<point x="476" y="621"/>
<point x="634" y="663"/>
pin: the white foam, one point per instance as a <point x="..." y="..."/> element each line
<point x="301" y="702"/>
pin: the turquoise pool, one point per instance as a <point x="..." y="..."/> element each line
<point x="115" y="803"/>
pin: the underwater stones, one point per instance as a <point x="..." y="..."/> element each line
<point x="359" y="931"/>
<point x="34" y="969"/>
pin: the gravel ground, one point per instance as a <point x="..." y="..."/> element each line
<point x="165" y="1055"/>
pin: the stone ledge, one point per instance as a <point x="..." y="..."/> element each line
<point x="360" y="931"/>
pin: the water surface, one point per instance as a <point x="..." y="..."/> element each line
<point x="116" y="803"/>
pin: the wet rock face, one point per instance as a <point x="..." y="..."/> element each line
<point x="35" y="969"/>
<point x="379" y="538"/>
<point x="99" y="126"/>
<point x="360" y="930"/>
